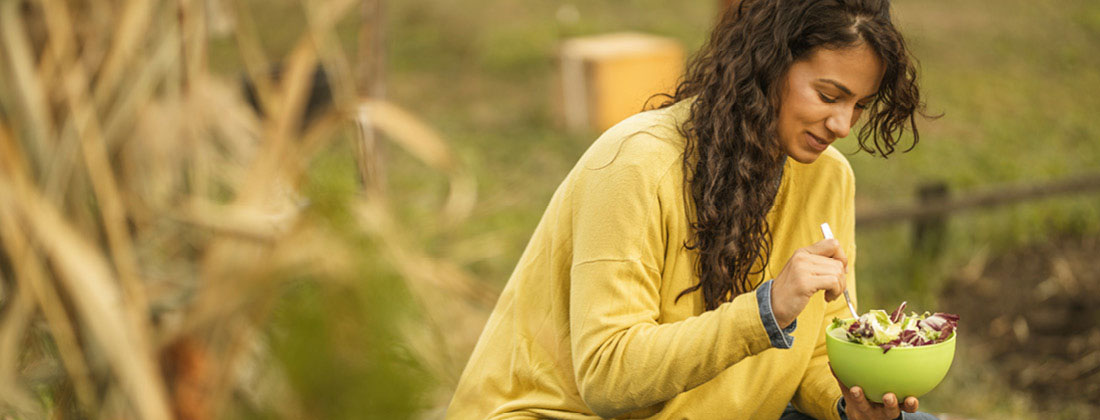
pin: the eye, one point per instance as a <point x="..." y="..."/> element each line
<point x="861" y="107"/>
<point x="826" y="99"/>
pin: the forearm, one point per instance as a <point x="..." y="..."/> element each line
<point x="624" y="360"/>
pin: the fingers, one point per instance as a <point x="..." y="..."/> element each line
<point x="911" y="405"/>
<point x="891" y="402"/>
<point x="826" y="248"/>
<point x="826" y="265"/>
<point x="853" y="397"/>
<point x="824" y="274"/>
<point x="832" y="286"/>
<point x="857" y="401"/>
<point x="835" y="270"/>
<point x="841" y="256"/>
<point x="829" y="248"/>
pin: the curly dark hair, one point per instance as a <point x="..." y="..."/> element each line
<point x="733" y="157"/>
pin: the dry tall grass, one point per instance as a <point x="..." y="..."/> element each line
<point x="146" y="211"/>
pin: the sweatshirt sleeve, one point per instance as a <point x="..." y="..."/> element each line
<point x="623" y="359"/>
<point x="818" y="393"/>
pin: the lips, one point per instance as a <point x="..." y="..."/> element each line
<point x="815" y="142"/>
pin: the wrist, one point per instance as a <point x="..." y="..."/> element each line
<point x="779" y="336"/>
<point x="778" y="311"/>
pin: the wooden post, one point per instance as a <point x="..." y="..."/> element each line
<point x="371" y="85"/>
<point x="930" y="231"/>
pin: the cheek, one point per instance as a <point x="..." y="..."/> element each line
<point x="809" y="109"/>
<point x="797" y="109"/>
<point x="787" y="124"/>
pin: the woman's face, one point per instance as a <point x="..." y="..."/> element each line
<point x="823" y="96"/>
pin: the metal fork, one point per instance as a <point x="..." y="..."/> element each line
<point x="829" y="235"/>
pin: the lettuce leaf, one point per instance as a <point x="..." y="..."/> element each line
<point x="896" y="329"/>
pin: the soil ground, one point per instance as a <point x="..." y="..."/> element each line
<point x="1035" y="314"/>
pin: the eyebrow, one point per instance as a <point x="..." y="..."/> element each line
<point x="843" y="88"/>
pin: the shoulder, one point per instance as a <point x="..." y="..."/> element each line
<point x="649" y="142"/>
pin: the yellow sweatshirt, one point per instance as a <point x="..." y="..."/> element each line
<point x="588" y="325"/>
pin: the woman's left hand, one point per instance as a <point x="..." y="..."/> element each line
<point x="859" y="408"/>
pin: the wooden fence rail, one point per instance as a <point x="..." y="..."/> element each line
<point x="935" y="201"/>
<point x="934" y="204"/>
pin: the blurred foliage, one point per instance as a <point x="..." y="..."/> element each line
<point x="173" y="250"/>
<point x="342" y="344"/>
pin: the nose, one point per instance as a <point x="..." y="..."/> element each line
<point x="840" y="122"/>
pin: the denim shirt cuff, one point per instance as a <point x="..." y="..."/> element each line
<point x="780" y="337"/>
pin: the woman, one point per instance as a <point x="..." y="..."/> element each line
<point x="679" y="271"/>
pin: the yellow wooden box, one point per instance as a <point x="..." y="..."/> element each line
<point x="606" y="78"/>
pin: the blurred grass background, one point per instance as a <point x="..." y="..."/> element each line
<point x="1018" y="83"/>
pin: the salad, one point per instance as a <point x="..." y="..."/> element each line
<point x="877" y="328"/>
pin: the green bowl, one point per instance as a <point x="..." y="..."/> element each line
<point x="905" y="371"/>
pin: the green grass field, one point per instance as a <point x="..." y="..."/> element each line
<point x="1017" y="82"/>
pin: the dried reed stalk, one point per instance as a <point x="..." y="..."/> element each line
<point x="148" y="213"/>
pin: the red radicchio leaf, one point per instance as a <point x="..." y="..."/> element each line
<point x="908" y="336"/>
<point x="896" y="316"/>
<point x="940" y="320"/>
<point x="893" y="343"/>
<point x="935" y="322"/>
<point x="946" y="333"/>
<point x="852" y="328"/>
<point x="950" y="317"/>
<point x="866" y="330"/>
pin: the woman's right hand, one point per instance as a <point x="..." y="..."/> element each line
<point x="821" y="266"/>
